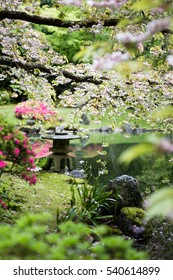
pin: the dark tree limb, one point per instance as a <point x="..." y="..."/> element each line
<point x="16" y="15"/>
<point x="21" y="64"/>
<point x="82" y="79"/>
<point x="50" y="72"/>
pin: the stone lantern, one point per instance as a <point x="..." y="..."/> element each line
<point x="61" y="140"/>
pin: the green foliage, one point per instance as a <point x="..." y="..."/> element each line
<point x="10" y="203"/>
<point x="160" y="203"/>
<point x="135" y="152"/>
<point x="5" y="97"/>
<point x="69" y="43"/>
<point x="29" y="240"/>
<point x="152" y="144"/>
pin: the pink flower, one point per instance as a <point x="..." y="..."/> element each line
<point x="16" y="141"/>
<point x="3" y="204"/>
<point x="2" y="164"/>
<point x="16" y="152"/>
<point x="1" y="128"/>
<point x="32" y="180"/>
<point x="26" y="177"/>
<point x="31" y="160"/>
<point x="25" y="146"/>
<point x="8" y="137"/>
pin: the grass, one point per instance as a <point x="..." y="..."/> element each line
<point x="68" y="115"/>
<point x="8" y="112"/>
<point x="51" y="191"/>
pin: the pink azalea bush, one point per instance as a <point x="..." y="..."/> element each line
<point x="36" y="110"/>
<point x="15" y="151"/>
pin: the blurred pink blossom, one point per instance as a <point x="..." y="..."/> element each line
<point x="16" y="152"/>
<point x="2" y="164"/>
<point x="109" y="61"/>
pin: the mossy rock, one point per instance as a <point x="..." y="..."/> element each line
<point x="131" y="221"/>
<point x="125" y="189"/>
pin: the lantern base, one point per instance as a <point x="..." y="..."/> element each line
<point x="61" y="161"/>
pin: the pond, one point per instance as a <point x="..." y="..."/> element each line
<point x="152" y="171"/>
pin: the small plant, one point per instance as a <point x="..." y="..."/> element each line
<point x="88" y="201"/>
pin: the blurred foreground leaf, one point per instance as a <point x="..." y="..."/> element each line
<point x="161" y="203"/>
<point x="136" y="151"/>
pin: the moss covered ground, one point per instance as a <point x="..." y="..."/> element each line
<point x="52" y="191"/>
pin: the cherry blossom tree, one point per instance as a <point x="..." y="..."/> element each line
<point x="132" y="71"/>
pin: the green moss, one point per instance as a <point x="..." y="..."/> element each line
<point x="134" y="214"/>
<point x="132" y="223"/>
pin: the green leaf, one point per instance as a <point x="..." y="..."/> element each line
<point x="136" y="151"/>
<point x="161" y="203"/>
<point x="145" y="5"/>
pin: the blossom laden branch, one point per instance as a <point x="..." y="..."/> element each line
<point x="109" y="3"/>
<point x="22" y="64"/>
<point x="17" y="15"/>
<point x="80" y="79"/>
<point x="51" y="72"/>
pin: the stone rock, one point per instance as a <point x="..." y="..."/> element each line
<point x="31" y="132"/>
<point x="84" y="119"/>
<point x="125" y="190"/>
<point x="131" y="221"/>
<point x="30" y="122"/>
<point x="76" y="173"/>
<point x="104" y="130"/>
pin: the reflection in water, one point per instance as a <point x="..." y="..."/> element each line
<point x="152" y="171"/>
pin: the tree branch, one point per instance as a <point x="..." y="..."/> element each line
<point x="26" y="66"/>
<point x="50" y="71"/>
<point x="82" y="79"/>
<point x="16" y="15"/>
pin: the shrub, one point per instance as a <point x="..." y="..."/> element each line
<point x="73" y="241"/>
<point x="35" y="109"/>
<point x="10" y="203"/>
<point x="15" y="151"/>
